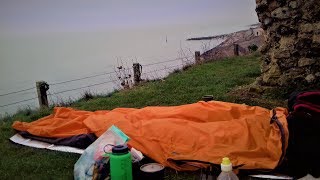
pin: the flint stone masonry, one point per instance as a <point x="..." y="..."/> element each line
<point x="291" y="55"/>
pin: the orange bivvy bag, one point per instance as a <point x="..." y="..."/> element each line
<point x="252" y="137"/>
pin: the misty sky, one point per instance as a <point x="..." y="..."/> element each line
<point x="36" y="16"/>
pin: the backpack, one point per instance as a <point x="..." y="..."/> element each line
<point x="303" y="153"/>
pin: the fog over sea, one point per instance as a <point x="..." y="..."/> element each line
<point x="61" y="41"/>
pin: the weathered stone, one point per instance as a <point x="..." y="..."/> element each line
<point x="273" y="5"/>
<point x="272" y="74"/>
<point x="293" y="4"/>
<point x="261" y="2"/>
<point x="287" y="43"/>
<point x="306" y="62"/>
<point x="316" y="28"/>
<point x="291" y="56"/>
<point x="316" y="38"/>
<point x="278" y="54"/>
<point x="273" y="82"/>
<point x="267" y="21"/>
<point x="285" y="78"/>
<point x="265" y="78"/>
<point x="310" y="9"/>
<point x="274" y="70"/>
<point x="256" y="89"/>
<point x="264" y="68"/>
<point x="304" y="36"/>
<point x="310" y="78"/>
<point x="286" y="64"/>
<point x="286" y="30"/>
<point x="261" y="6"/>
<point x="264" y="47"/>
<point x="306" y="28"/>
<point x="281" y="13"/>
<point x="303" y="45"/>
<point x="313" y="52"/>
<point x="281" y="3"/>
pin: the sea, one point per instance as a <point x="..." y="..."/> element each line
<point x="73" y="63"/>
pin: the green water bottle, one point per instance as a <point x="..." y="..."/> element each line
<point x="120" y="163"/>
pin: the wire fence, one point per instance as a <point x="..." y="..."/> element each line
<point x="83" y="78"/>
<point x="19" y="91"/>
<point x="116" y="77"/>
<point x="18" y="102"/>
<point x="171" y="60"/>
<point x="91" y="85"/>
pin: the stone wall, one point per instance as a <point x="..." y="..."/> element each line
<point x="291" y="54"/>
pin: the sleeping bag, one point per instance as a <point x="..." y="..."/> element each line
<point x="176" y="136"/>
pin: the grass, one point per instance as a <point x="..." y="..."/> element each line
<point x="216" y="78"/>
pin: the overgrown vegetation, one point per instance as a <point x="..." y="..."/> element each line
<point x="216" y="78"/>
<point x="253" y="48"/>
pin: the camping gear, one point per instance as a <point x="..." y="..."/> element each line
<point x="81" y="141"/>
<point x="263" y="176"/>
<point x="154" y="171"/>
<point x="136" y="155"/>
<point x="226" y="170"/>
<point x="120" y="163"/>
<point x="207" y="98"/>
<point x="93" y="155"/>
<point x="174" y="136"/>
<point x="18" y="139"/>
<point x="101" y="169"/>
<point x="303" y="152"/>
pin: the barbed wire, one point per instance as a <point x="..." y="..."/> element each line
<point x="161" y="69"/>
<point x="92" y="76"/>
<point x="15" y="92"/>
<point x="80" y="87"/>
<point x="171" y="60"/>
<point x="78" y="79"/>
<point x="18" y="102"/>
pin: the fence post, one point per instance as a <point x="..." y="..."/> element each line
<point x="137" y="69"/>
<point x="42" y="88"/>
<point x="236" y="49"/>
<point x="197" y="57"/>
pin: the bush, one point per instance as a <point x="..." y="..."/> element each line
<point x="253" y="48"/>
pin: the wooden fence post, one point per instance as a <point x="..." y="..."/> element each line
<point x="42" y="88"/>
<point x="197" y="57"/>
<point x="137" y="70"/>
<point x="236" y="49"/>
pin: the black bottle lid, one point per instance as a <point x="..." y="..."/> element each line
<point x="120" y="149"/>
<point x="207" y="98"/>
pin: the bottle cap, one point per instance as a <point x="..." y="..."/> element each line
<point x="120" y="149"/>
<point x="226" y="164"/>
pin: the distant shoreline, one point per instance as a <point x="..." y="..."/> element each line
<point x="208" y="37"/>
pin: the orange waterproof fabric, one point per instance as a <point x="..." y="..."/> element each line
<point x="204" y="131"/>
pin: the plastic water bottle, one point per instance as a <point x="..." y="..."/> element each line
<point x="226" y="170"/>
<point x="120" y="163"/>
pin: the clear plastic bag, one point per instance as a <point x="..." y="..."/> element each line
<point x="83" y="169"/>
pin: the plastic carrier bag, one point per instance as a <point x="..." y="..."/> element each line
<point x="83" y="169"/>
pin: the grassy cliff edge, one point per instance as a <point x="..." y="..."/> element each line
<point x="217" y="78"/>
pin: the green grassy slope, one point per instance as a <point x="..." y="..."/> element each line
<point x="216" y="78"/>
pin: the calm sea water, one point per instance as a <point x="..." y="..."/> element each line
<point x="59" y="56"/>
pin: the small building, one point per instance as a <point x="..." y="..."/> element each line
<point x="243" y="39"/>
